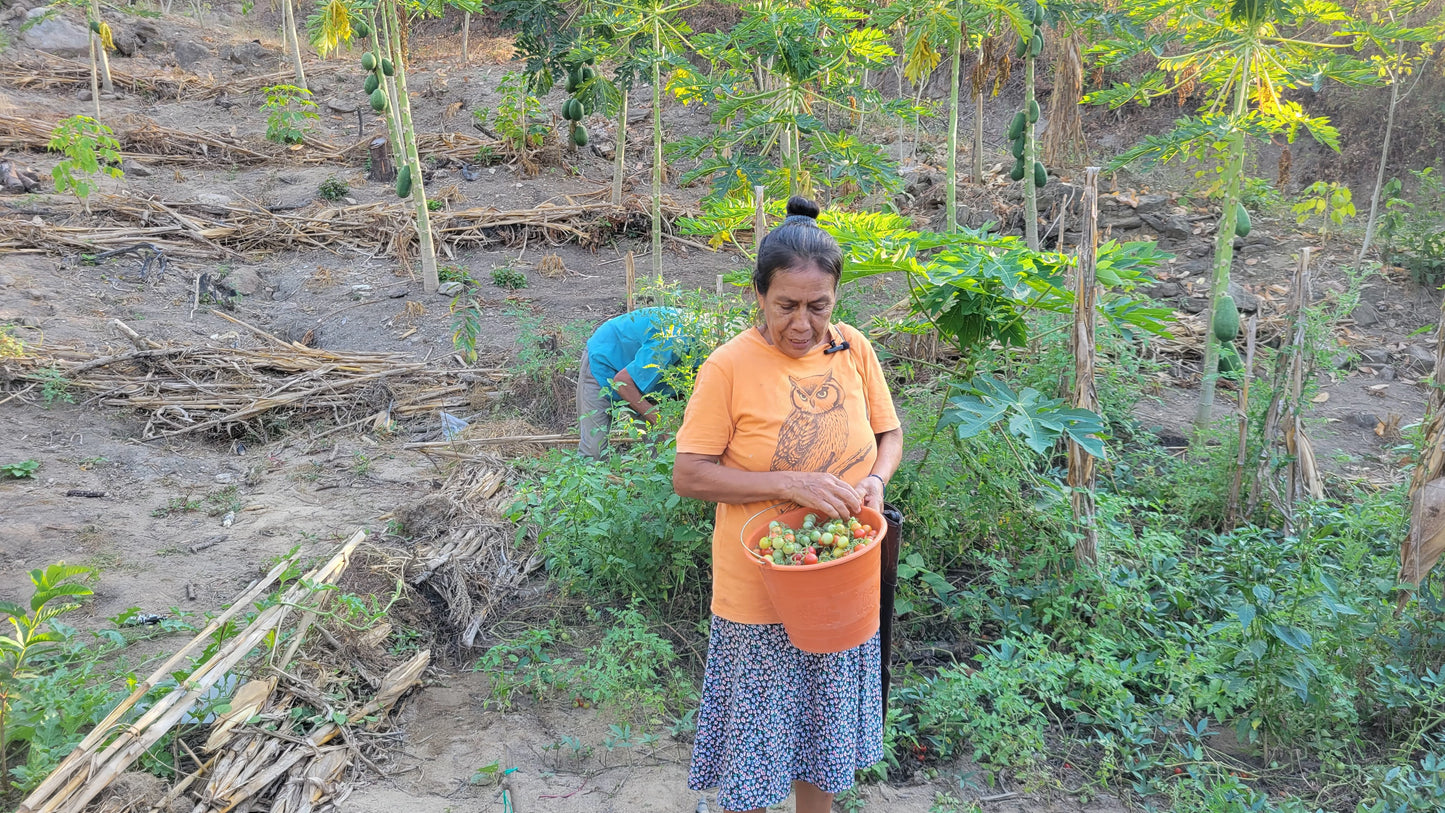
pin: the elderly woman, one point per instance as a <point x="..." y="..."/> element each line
<point x="795" y="410"/>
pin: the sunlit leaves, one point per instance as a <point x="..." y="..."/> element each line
<point x="329" y="26"/>
<point x="1035" y="419"/>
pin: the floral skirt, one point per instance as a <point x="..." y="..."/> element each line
<point x="773" y="714"/>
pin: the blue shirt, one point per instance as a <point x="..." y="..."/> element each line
<point x="642" y="342"/>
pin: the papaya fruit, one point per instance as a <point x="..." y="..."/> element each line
<point x="359" y="28"/>
<point x="403" y="182"/>
<point x="1242" y="226"/>
<point x="1038" y="15"/>
<point x="372" y="83"/>
<point x="1226" y="319"/>
<point x="1016" y="127"/>
<point x="579" y="136"/>
<point x="368" y="61"/>
<point x="1033" y="110"/>
<point x="387" y="68"/>
<point x="587" y="74"/>
<point x="1016" y="148"/>
<point x="572" y="110"/>
<point x="1041" y="175"/>
<point x="573" y="79"/>
<point x="1023" y="48"/>
<point x="378" y="100"/>
<point x="1036" y="45"/>
<point x="1017" y="173"/>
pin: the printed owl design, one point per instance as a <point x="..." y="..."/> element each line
<point x="814" y="436"/>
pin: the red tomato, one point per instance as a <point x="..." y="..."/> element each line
<point x="810" y="558"/>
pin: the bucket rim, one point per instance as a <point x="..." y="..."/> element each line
<point x="768" y="564"/>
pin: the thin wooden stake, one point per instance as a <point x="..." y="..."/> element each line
<point x="1081" y="463"/>
<point x="631" y="265"/>
<point x="1242" y="460"/>
<point x="1282" y="422"/>
<point x="721" y="286"/>
<point x="760" y="218"/>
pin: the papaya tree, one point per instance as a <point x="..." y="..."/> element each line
<point x="383" y="27"/>
<point x="100" y="43"/>
<point x="1245" y="55"/>
<point x="661" y="39"/>
<point x="293" y="41"/>
<point x="931" y="28"/>
<point x="1029" y="23"/>
<point x="1397" y="49"/>
<point x="775" y="77"/>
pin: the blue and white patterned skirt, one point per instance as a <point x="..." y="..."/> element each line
<point x="773" y="714"/>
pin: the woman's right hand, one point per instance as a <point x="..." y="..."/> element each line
<point x="824" y="492"/>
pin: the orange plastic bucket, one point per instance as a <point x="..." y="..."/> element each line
<point x="830" y="606"/>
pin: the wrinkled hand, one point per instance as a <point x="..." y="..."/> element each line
<point x="825" y="492"/>
<point x="871" y="489"/>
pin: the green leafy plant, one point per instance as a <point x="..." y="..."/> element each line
<point x="517" y="118"/>
<point x="21" y="470"/>
<point x="509" y="278"/>
<point x="90" y="149"/>
<point x="1413" y="234"/>
<point x="466" y="324"/>
<point x="56" y="592"/>
<point x="1329" y="201"/>
<point x="54" y="386"/>
<point x="289" y="111"/>
<point x="333" y="189"/>
<point x="1030" y="416"/>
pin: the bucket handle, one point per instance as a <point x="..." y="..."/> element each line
<point x="743" y="533"/>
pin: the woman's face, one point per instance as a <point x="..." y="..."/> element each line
<point x="798" y="308"/>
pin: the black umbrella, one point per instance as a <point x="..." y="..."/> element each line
<point x="892" y="540"/>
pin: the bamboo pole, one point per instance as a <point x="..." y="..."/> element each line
<point x="103" y="729"/>
<point x="630" y="264"/>
<point x="1242" y="458"/>
<point x="1081" y="463"/>
<point x="78" y="788"/>
<point x="760" y="217"/>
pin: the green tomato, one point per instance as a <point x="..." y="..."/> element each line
<point x="826" y="539"/>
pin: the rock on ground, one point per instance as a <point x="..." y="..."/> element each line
<point x="56" y="35"/>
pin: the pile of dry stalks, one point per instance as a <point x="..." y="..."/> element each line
<point x="47" y="71"/>
<point x="233" y="390"/>
<point x="189" y="229"/>
<point x="283" y="745"/>
<point x="143" y="138"/>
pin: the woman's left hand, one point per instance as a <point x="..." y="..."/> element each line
<point x="871" y="489"/>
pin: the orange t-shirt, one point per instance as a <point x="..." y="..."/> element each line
<point x="760" y="410"/>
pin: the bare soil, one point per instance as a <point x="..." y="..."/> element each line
<point x="309" y="490"/>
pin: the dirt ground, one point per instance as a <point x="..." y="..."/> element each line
<point x="256" y="501"/>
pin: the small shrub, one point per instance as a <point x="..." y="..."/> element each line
<point x="54" y="386"/>
<point x="289" y="110"/>
<point x="90" y="149"/>
<point x="1414" y="234"/>
<point x="333" y="189"/>
<point x="434" y="205"/>
<point x="509" y="278"/>
<point x="19" y="471"/>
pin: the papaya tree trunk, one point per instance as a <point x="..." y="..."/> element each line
<point x="656" y="152"/>
<point x="619" y="165"/>
<point x="466" y="37"/>
<point x="289" y="20"/>
<point x="951" y="200"/>
<point x="1224" y="243"/>
<point x="1031" y="148"/>
<point x="105" y="82"/>
<point x="430" y="281"/>
<point x="381" y="31"/>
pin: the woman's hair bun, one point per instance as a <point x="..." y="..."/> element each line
<point x="799" y="205"/>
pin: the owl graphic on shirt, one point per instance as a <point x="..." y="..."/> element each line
<point x="814" y="436"/>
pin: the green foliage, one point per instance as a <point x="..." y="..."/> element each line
<point x="509" y="278"/>
<point x="466" y="324"/>
<point x="1039" y="422"/>
<point x="90" y="149"/>
<point x="333" y="189"/>
<point x="615" y="529"/>
<point x="1330" y="202"/>
<point x="517" y="118"/>
<point x="1413" y="234"/>
<point x="289" y="111"/>
<point x="630" y="671"/>
<point x="21" y="470"/>
<point x="54" y="386"/>
<point x="37" y="634"/>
